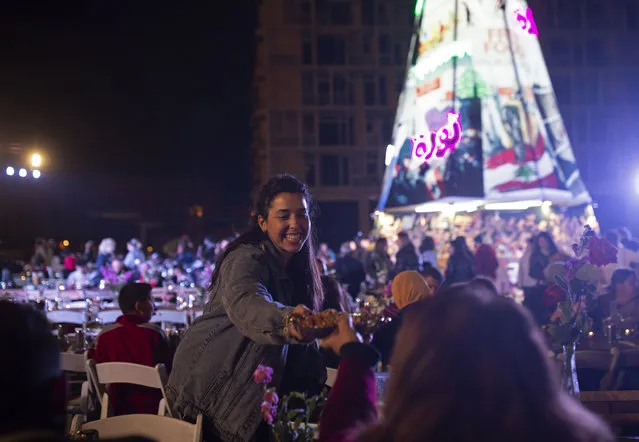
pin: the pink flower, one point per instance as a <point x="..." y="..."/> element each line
<point x="268" y="412"/>
<point x="271" y="396"/>
<point x="263" y="374"/>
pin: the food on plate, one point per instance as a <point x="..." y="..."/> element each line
<point x="323" y="319"/>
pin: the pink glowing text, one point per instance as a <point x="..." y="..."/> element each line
<point x="527" y="21"/>
<point x="439" y="142"/>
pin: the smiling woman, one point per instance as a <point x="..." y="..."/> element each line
<point x="248" y="320"/>
<point x="289" y="225"/>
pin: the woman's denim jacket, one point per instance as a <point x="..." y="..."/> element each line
<point x="243" y="325"/>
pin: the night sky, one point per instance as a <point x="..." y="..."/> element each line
<point x="114" y="88"/>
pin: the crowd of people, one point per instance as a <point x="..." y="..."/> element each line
<point x="101" y="266"/>
<point x="455" y="374"/>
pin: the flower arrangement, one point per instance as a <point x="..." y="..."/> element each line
<point x="573" y="292"/>
<point x="287" y="424"/>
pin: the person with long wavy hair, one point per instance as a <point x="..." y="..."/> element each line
<point x="263" y="279"/>
<point x="467" y="366"/>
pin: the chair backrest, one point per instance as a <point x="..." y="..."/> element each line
<point x="127" y="373"/>
<point x="109" y="316"/>
<point x="158" y="428"/>
<point x="32" y="294"/>
<point x="67" y="317"/>
<point x="99" y="294"/>
<point x="73" y="362"/>
<point x="51" y="293"/>
<point x="157" y="292"/>
<point x="170" y="316"/>
<point x="331" y="375"/>
<point x="75" y="304"/>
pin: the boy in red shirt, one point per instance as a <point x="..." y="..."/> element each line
<point x="132" y="339"/>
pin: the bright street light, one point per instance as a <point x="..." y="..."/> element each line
<point x="36" y="174"/>
<point x="36" y="160"/>
<point x="23" y="173"/>
<point x="10" y="171"/>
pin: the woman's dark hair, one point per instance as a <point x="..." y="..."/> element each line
<point x="551" y="244"/>
<point x="334" y="296"/>
<point x="429" y="270"/>
<point x="453" y="362"/>
<point x="302" y="267"/>
<point x="428" y="244"/>
<point x="460" y="248"/>
<point x="619" y="276"/>
<point x="380" y="244"/>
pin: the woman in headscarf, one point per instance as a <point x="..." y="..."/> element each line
<point x="408" y="288"/>
<point x="460" y="267"/>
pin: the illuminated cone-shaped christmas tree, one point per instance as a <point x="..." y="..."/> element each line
<point x="471" y="85"/>
<point x="473" y="57"/>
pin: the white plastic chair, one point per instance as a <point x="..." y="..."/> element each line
<point x="67" y="317"/>
<point x="99" y="294"/>
<point x="166" y="316"/>
<point x="109" y="316"/>
<point x="158" y="428"/>
<point x="158" y="292"/>
<point x="32" y="294"/>
<point x="75" y="304"/>
<point x="331" y="375"/>
<point x="127" y="373"/>
<point x="51" y="294"/>
<point x="73" y="362"/>
<point x="76" y="363"/>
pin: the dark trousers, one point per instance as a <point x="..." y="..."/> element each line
<point x="263" y="433"/>
<point x="534" y="302"/>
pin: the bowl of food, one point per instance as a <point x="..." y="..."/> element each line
<point x="319" y="325"/>
<point x="322" y="324"/>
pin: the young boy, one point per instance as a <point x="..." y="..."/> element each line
<point x="132" y="339"/>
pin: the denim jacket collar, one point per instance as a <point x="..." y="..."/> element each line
<point x="275" y="261"/>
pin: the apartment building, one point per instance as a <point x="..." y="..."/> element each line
<point x="591" y="49"/>
<point x="327" y="77"/>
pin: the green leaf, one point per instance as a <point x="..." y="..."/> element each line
<point x="297" y="395"/>
<point x="561" y="334"/>
<point x="311" y="405"/>
<point x="561" y="282"/>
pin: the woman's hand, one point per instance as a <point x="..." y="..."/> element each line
<point x="344" y="334"/>
<point x="300" y="312"/>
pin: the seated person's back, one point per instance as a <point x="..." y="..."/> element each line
<point x="32" y="385"/>
<point x="132" y="339"/>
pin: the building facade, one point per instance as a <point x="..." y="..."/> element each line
<point x="328" y="74"/>
<point x="327" y="77"/>
<point x="592" y="53"/>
